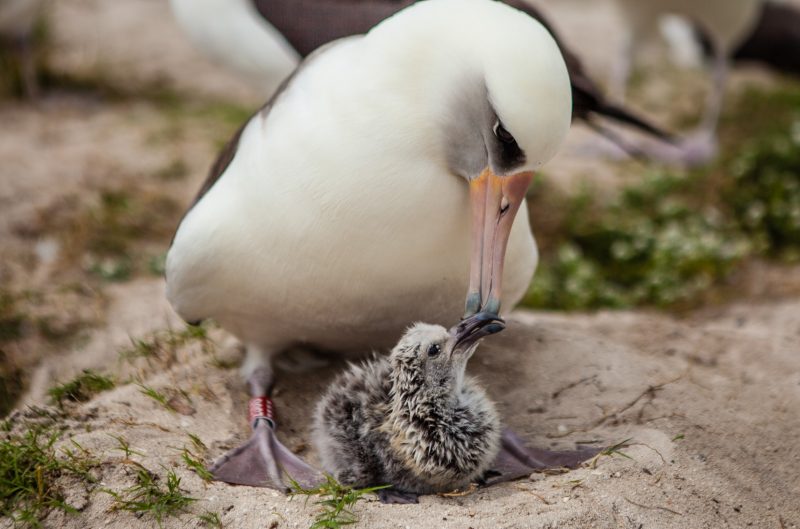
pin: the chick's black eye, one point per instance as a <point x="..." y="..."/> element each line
<point x="502" y="134"/>
<point x="434" y="349"/>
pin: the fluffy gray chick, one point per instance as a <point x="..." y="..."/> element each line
<point x="412" y="420"/>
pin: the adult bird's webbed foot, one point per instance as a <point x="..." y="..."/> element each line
<point x="397" y="497"/>
<point x="517" y="460"/>
<point x="263" y="461"/>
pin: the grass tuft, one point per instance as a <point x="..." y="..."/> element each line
<point x="210" y="519"/>
<point x="156" y="395"/>
<point x="336" y="502"/>
<point x="611" y="451"/>
<point x="194" y="464"/>
<point x="163" y="346"/>
<point x="81" y="388"/>
<point x="29" y="469"/>
<point x="124" y="446"/>
<point x="148" y="496"/>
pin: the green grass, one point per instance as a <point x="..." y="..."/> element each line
<point x="155" y="395"/>
<point x="210" y="519"/>
<point x="193" y="458"/>
<point x="81" y="388"/>
<point x="611" y="451"/>
<point x="124" y="446"/>
<point x="655" y="244"/>
<point x="152" y="496"/>
<point x="765" y="194"/>
<point x="29" y="469"/>
<point x="672" y="239"/>
<point x="335" y="502"/>
<point x="163" y="346"/>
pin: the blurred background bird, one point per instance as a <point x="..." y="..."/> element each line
<point x="18" y="24"/>
<point x="727" y="32"/>
<point x="243" y="33"/>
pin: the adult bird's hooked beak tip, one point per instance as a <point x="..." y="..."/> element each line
<point x="472" y="329"/>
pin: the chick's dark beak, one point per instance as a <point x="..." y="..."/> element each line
<point x="470" y="330"/>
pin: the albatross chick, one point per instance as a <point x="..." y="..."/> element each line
<point x="412" y="420"/>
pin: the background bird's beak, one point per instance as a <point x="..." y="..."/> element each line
<point x="467" y="333"/>
<point x="495" y="201"/>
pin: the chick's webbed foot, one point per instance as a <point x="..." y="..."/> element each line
<point x="263" y="461"/>
<point x="517" y="460"/>
<point x="397" y="497"/>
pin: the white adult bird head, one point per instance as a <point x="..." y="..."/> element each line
<point x="496" y="92"/>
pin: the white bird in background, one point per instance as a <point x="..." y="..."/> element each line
<point x="17" y="23"/>
<point x="377" y="187"/>
<point x="243" y="33"/>
<point x="234" y="34"/>
<point x="726" y="24"/>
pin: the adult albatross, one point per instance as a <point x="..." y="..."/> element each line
<point x="252" y="37"/>
<point x="376" y="188"/>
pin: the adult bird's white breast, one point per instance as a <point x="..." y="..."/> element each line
<point x="339" y="220"/>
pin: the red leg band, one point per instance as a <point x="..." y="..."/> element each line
<point x="261" y="408"/>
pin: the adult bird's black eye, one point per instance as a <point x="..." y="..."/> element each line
<point x="502" y="134"/>
<point x="434" y="349"/>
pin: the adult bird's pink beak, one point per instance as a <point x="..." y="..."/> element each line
<point x="495" y="201"/>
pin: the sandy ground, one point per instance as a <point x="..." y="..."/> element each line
<point x="710" y="399"/>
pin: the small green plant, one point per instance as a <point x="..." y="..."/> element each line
<point x="155" y="395"/>
<point x="193" y="462"/>
<point x="210" y="519"/>
<point x="163" y="346"/>
<point x="149" y="497"/>
<point x="611" y="451"/>
<point x="124" y="446"/>
<point x="336" y="502"/>
<point x="81" y="388"/>
<point x="197" y="442"/>
<point x="29" y="469"/>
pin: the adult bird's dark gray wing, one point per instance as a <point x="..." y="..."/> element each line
<point x="308" y="24"/>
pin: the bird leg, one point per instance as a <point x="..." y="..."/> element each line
<point x="517" y="460"/>
<point x="263" y="460"/>
<point x="622" y="67"/>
